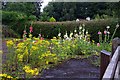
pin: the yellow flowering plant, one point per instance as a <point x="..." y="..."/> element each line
<point x="29" y="71"/>
<point x="32" y="55"/>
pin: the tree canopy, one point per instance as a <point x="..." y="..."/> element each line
<point x="29" y="8"/>
<point x="63" y="11"/>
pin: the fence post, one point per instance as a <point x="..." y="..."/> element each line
<point x="104" y="61"/>
<point x="115" y="44"/>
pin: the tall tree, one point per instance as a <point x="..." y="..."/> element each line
<point x="38" y="5"/>
<point x="63" y="11"/>
<point x="29" y="8"/>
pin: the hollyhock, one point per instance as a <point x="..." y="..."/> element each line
<point x="39" y="35"/>
<point x="98" y="44"/>
<point x="25" y="32"/>
<point x="41" y="38"/>
<point x="105" y="32"/>
<point x="31" y="29"/>
<point x="108" y="27"/>
<point x="99" y="32"/>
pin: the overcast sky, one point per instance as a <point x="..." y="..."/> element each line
<point x="45" y="2"/>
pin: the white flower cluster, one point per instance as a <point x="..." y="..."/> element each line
<point x="81" y="33"/>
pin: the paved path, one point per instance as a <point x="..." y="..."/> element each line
<point x="5" y="51"/>
<point x="73" y="69"/>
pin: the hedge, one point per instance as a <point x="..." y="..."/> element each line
<point x="8" y="33"/>
<point x="51" y="29"/>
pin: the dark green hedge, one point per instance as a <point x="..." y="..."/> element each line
<point x="51" y="29"/>
<point x="9" y="33"/>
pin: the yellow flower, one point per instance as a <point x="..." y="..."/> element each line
<point x="19" y="50"/>
<point x="36" y="71"/>
<point x="9" y="77"/>
<point x="46" y="55"/>
<point x="10" y="43"/>
<point x="26" y="67"/>
<point x="30" y="71"/>
<point x="30" y="35"/>
<point x="34" y="48"/>
<point x="42" y="55"/>
<point x="47" y="62"/>
<point x="20" y="57"/>
<point x="5" y="75"/>
<point x="20" y="45"/>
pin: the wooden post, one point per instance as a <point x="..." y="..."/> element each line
<point x="104" y="61"/>
<point x="115" y="44"/>
<point x="117" y="72"/>
<point x="111" y="68"/>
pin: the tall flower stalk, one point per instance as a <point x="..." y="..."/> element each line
<point x="100" y="37"/>
<point x="108" y="33"/>
<point x="24" y="34"/>
<point x="114" y="31"/>
<point x="105" y="33"/>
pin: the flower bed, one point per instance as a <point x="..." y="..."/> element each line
<point x="30" y="56"/>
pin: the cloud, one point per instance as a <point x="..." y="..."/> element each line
<point x="45" y="2"/>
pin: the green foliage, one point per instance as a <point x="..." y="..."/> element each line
<point x="44" y="17"/>
<point x="10" y="16"/>
<point x="97" y="17"/>
<point x="49" y="30"/>
<point x="25" y="7"/>
<point x="52" y="19"/>
<point x="9" y="33"/>
<point x="63" y="11"/>
<point x="32" y="55"/>
<point x="32" y="18"/>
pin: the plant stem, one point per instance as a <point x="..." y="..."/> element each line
<point x="105" y="38"/>
<point x="114" y="33"/>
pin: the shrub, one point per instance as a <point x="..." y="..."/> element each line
<point x="32" y="17"/>
<point x="11" y="16"/>
<point x="49" y="30"/>
<point x="44" y="16"/>
<point x="9" y="33"/>
<point x="52" y="19"/>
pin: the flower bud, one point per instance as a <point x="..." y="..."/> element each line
<point x="117" y="25"/>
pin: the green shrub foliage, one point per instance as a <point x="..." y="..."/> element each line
<point x="11" y="16"/>
<point x="49" y="30"/>
<point x="32" y="17"/>
<point x="52" y="19"/>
